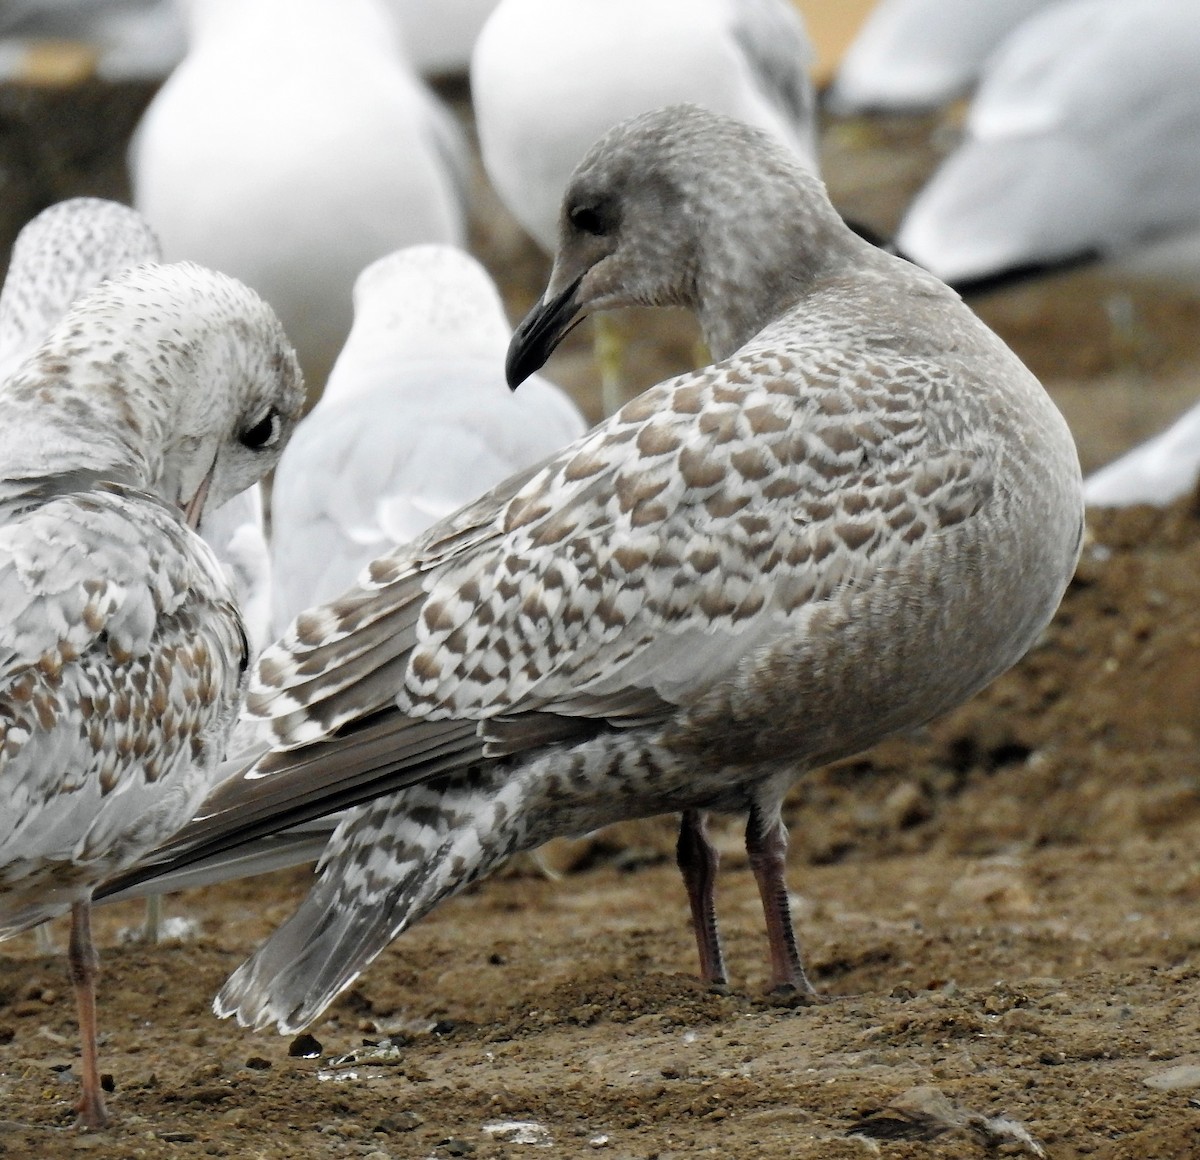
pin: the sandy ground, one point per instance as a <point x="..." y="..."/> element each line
<point x="999" y="911"/>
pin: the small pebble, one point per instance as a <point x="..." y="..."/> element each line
<point x="1186" y="1075"/>
<point x="404" y="1121"/>
<point x="304" y="1046"/>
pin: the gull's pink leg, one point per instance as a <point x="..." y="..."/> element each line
<point x="766" y="844"/>
<point x="83" y="965"/>
<point x="697" y="860"/>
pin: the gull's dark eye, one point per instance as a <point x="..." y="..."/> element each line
<point x="589" y="219"/>
<point x="264" y="433"/>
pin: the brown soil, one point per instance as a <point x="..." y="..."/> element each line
<point x="998" y="910"/>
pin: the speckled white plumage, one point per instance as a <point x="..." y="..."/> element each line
<point x="1084" y="138"/>
<point x="548" y="77"/>
<point x="122" y="654"/>
<point x="293" y="146"/>
<point x="416" y="420"/>
<point x="918" y="54"/>
<point x="861" y="513"/>
<point x="58" y="255"/>
<point x="114" y="402"/>
<point x="61" y="254"/>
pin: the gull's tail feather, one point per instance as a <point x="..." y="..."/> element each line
<point x="388" y="864"/>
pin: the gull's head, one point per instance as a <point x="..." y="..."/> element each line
<point x="174" y="378"/>
<point x="676" y="207"/>
<point x="235" y="387"/>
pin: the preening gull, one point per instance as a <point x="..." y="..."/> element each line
<point x="416" y="420"/>
<point x="123" y="656"/>
<point x="293" y="146"/>
<point x="1083" y="140"/>
<point x="59" y="255"/>
<point x="918" y="54"/>
<point x="860" y="514"/>
<point x="548" y="77"/>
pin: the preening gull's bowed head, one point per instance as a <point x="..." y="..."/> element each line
<point x="864" y="511"/>
<point x="58" y="256"/>
<point x="122" y="655"/>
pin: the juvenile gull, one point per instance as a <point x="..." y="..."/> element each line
<point x="1082" y="141"/>
<point x="864" y="511"/>
<point x="293" y="146"/>
<point x="122" y="655"/>
<point x="59" y="255"/>
<point x="548" y="77"/>
<point x="416" y="420"/>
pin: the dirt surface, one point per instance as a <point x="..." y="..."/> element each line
<point x="1000" y="912"/>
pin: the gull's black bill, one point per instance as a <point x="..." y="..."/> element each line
<point x="541" y="330"/>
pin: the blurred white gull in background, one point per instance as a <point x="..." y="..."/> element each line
<point x="1083" y="139"/>
<point x="911" y="55"/>
<point x="549" y="77"/>
<point x="293" y="146"/>
<point x="415" y="422"/>
<point x="441" y="33"/>
<point x="1159" y="471"/>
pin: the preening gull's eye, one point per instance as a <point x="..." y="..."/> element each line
<point x="264" y="433"/>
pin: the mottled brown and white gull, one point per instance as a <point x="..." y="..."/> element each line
<point x="122" y="654"/>
<point x="59" y="255"/>
<point x="859" y="515"/>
